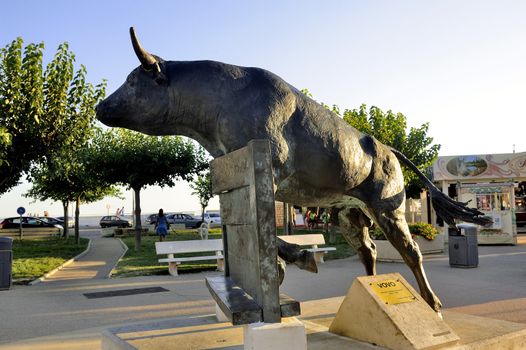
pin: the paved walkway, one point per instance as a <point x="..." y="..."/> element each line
<point x="57" y="314"/>
<point x="96" y="264"/>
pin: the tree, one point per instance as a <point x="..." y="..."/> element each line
<point x="72" y="181"/>
<point x="35" y="106"/>
<point x="202" y="187"/>
<point x="391" y="129"/>
<point x="62" y="174"/>
<point x="136" y="160"/>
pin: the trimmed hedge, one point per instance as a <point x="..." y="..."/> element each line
<point x="423" y="229"/>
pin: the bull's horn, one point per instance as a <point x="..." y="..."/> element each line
<point x="147" y="60"/>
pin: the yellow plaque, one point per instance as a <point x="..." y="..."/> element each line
<point x="392" y="291"/>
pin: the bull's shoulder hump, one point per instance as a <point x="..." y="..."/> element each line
<point x="221" y="67"/>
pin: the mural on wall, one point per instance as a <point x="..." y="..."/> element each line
<point x="480" y="166"/>
<point x="466" y="166"/>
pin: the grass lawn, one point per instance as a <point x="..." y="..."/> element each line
<point x="33" y="257"/>
<point x="146" y="262"/>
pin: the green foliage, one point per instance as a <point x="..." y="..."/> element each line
<point x="136" y="160"/>
<point x="202" y="187"/>
<point x="41" y="111"/>
<point x="391" y="129"/>
<point x="376" y="234"/>
<point x="423" y="229"/>
<point x="68" y="181"/>
<point x="5" y="142"/>
<point x="64" y="174"/>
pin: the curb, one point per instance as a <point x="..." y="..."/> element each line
<point x="111" y="341"/>
<point x="125" y="247"/>
<point x="50" y="273"/>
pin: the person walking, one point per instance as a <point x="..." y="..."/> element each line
<point x="306" y="219"/>
<point x="313" y="220"/>
<point x="161" y="225"/>
<point x="326" y="219"/>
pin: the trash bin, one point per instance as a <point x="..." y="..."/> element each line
<point x="6" y="262"/>
<point x="463" y="246"/>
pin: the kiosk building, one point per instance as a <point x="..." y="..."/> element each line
<point x="494" y="184"/>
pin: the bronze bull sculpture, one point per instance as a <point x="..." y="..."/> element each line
<point x="318" y="159"/>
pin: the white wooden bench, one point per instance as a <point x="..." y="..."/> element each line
<point x="193" y="246"/>
<point x="313" y="240"/>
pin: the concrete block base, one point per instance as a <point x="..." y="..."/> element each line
<point x="185" y="333"/>
<point x="287" y="335"/>
<point x="220" y="315"/>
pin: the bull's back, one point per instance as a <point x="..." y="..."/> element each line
<point x="313" y="149"/>
<point x="328" y="156"/>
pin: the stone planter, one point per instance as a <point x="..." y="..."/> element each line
<point x="495" y="236"/>
<point x="120" y="232"/>
<point x="386" y="252"/>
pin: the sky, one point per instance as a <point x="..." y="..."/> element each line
<point x="458" y="64"/>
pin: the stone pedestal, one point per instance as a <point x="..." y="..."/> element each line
<point x="385" y="310"/>
<point x="287" y="335"/>
<point x="249" y="290"/>
<point x="220" y="315"/>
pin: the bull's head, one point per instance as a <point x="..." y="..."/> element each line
<point x="142" y="101"/>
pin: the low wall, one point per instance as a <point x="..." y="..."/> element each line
<point x="386" y="251"/>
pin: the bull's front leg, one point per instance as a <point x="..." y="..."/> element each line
<point x="292" y="254"/>
<point x="395" y="228"/>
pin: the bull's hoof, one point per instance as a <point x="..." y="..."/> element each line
<point x="307" y="262"/>
<point x="281" y="270"/>
<point x="433" y="301"/>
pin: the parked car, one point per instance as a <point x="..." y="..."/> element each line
<point x="188" y="220"/>
<point x="28" y="222"/>
<point x="71" y="221"/>
<point x="213" y="219"/>
<point x="51" y="220"/>
<point x="112" y="220"/>
<point x="151" y="219"/>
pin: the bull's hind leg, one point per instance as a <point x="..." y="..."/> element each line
<point x="394" y="225"/>
<point x="359" y="240"/>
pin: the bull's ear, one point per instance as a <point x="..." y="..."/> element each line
<point x="159" y="75"/>
<point x="160" y="78"/>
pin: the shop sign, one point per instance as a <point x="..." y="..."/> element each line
<point x="485" y="190"/>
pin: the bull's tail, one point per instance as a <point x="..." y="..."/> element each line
<point x="445" y="207"/>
